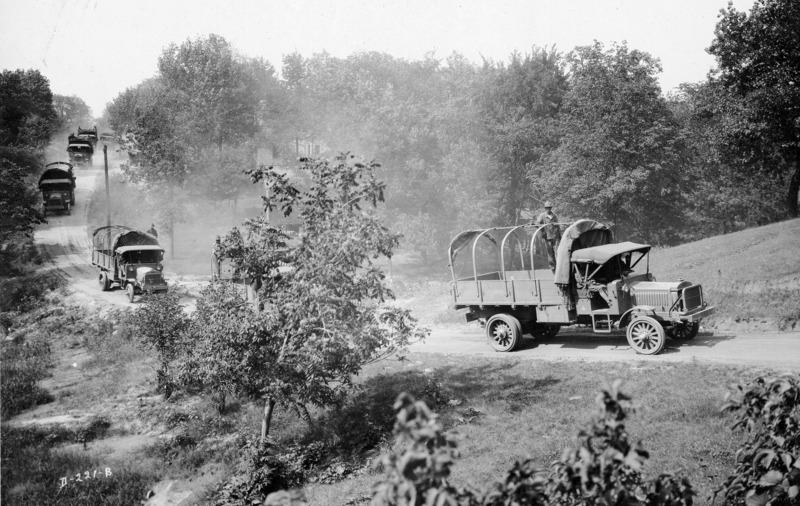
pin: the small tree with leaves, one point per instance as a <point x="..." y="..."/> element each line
<point x="162" y="324"/>
<point x="324" y="311"/>
<point x="768" y="464"/>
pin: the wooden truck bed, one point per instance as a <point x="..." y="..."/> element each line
<point x="519" y="288"/>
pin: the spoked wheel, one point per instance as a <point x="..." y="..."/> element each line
<point x="104" y="282"/>
<point x="646" y="335"/>
<point x="504" y="332"/>
<point x="684" y="331"/>
<point x="131" y="292"/>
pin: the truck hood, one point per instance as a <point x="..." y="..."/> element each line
<point x="663" y="286"/>
<point x="141" y="272"/>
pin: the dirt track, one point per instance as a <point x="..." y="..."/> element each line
<point x="65" y="243"/>
<point x="777" y="351"/>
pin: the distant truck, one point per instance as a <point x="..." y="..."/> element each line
<point x="128" y="259"/>
<point x="80" y="151"/>
<point x="501" y="275"/>
<point x="89" y="134"/>
<point x="57" y="185"/>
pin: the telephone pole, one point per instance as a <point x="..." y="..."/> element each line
<point x="108" y="193"/>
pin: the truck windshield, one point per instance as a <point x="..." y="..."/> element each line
<point x="143" y="257"/>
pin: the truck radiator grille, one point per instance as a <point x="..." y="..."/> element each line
<point x="656" y="298"/>
<point x="693" y="297"/>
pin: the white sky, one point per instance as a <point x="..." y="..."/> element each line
<point x="96" y="48"/>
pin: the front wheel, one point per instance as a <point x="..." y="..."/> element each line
<point x="504" y="332"/>
<point x="646" y="335"/>
<point x="131" y="292"/>
<point x="684" y="331"/>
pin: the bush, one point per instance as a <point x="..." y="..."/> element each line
<point x="23" y="365"/>
<point x="768" y="464"/>
<point x="604" y="469"/>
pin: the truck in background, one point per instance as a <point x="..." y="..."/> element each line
<point x="57" y="184"/>
<point x="80" y="151"/>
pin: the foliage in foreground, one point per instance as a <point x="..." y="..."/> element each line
<point x="768" y="464"/>
<point x="605" y="468"/>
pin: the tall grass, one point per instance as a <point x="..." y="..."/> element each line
<point x="33" y="468"/>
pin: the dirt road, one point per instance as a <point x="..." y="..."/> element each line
<point x="777" y="351"/>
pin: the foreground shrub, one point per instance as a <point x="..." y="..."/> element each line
<point x="23" y="364"/>
<point x="768" y="464"/>
<point x="605" y="468"/>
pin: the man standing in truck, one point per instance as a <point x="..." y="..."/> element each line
<point x="551" y="233"/>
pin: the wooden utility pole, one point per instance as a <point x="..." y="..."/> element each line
<point x="108" y="192"/>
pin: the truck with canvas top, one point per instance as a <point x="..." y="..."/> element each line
<point x="80" y="151"/>
<point x="501" y="276"/>
<point x="128" y="259"/>
<point x="88" y="134"/>
<point x="57" y="184"/>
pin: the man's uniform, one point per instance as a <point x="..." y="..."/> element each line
<point x="552" y="234"/>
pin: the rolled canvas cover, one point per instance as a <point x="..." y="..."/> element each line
<point x="116" y="236"/>
<point x="581" y="234"/>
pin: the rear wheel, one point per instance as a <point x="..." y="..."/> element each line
<point x="131" y="292"/>
<point x="504" y="332"/>
<point x="104" y="282"/>
<point x="684" y="331"/>
<point x="646" y="335"/>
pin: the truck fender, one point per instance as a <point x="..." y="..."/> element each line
<point x="628" y="315"/>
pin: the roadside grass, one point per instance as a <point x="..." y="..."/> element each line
<point x="33" y="469"/>
<point x="22" y="366"/>
<point x="506" y="410"/>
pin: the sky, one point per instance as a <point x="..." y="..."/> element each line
<point x="95" y="49"/>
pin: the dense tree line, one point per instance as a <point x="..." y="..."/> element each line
<point x="27" y="119"/>
<point x="466" y="145"/>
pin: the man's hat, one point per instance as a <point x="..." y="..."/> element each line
<point x="548" y="204"/>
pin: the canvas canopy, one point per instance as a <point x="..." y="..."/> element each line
<point x="113" y="237"/>
<point x="55" y="175"/>
<point x="602" y="254"/>
<point x="579" y="235"/>
<point x="125" y="249"/>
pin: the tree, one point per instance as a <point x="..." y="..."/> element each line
<point x="162" y="323"/>
<point x="619" y="151"/>
<point x="323" y="317"/>
<point x="758" y="55"/>
<point x="18" y="200"/>
<point x="72" y="112"/>
<point x="26" y="109"/>
<point x="521" y="102"/>
<point x="723" y="191"/>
